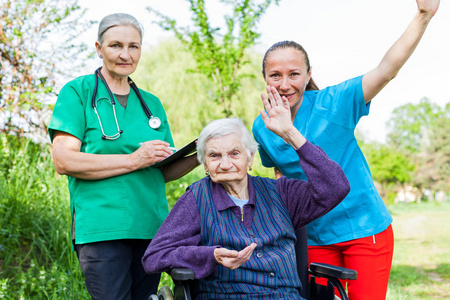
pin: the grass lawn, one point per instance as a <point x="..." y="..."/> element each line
<point x="421" y="264"/>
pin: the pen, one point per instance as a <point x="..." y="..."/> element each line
<point x="171" y="148"/>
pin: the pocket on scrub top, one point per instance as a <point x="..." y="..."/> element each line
<point x="101" y="207"/>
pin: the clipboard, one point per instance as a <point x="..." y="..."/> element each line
<point x="180" y="153"/>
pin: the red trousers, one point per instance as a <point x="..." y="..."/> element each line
<point x="371" y="257"/>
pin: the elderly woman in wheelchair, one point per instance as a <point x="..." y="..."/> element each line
<point x="237" y="231"/>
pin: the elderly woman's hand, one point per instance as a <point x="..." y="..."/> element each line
<point x="278" y="118"/>
<point x="233" y="259"/>
<point x="149" y="153"/>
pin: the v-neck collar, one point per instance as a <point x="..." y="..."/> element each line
<point x="222" y="200"/>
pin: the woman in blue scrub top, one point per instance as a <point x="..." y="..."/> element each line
<point x="357" y="234"/>
<point x="117" y="199"/>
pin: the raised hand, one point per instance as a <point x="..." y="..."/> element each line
<point x="428" y="6"/>
<point x="233" y="259"/>
<point x="278" y="116"/>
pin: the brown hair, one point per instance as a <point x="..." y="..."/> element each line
<point x="290" y="44"/>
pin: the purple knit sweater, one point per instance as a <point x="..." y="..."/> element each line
<point x="176" y="244"/>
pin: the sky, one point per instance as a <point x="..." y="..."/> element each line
<point x="344" y="39"/>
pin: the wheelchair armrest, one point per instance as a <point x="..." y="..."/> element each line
<point x="182" y="274"/>
<point x="326" y="270"/>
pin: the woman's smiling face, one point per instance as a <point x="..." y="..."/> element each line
<point x="286" y="70"/>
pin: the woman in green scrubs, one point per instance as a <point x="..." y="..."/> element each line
<point x="117" y="199"/>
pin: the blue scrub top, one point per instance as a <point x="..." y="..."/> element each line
<point x="327" y="118"/>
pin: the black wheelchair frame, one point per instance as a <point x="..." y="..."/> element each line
<point x="184" y="278"/>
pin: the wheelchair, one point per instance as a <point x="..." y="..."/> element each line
<point x="184" y="280"/>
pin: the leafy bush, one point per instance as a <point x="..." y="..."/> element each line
<point x="35" y="257"/>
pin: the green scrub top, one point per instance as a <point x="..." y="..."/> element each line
<point x="129" y="206"/>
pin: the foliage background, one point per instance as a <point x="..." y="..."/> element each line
<point x="35" y="257"/>
<point x="37" y="42"/>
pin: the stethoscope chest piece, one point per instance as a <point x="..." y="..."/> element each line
<point x="154" y="122"/>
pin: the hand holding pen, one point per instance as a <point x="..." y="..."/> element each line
<point x="151" y="152"/>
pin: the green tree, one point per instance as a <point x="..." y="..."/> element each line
<point x="389" y="167"/>
<point x="434" y="170"/>
<point x="38" y="44"/>
<point x="420" y="131"/>
<point x="220" y="56"/>
<point x="410" y="125"/>
<point x="164" y="71"/>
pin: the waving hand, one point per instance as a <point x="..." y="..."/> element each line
<point x="277" y="118"/>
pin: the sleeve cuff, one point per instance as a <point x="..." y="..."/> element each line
<point x="305" y="148"/>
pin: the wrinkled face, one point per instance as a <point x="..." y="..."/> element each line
<point x="286" y="70"/>
<point x="226" y="160"/>
<point x="121" y="50"/>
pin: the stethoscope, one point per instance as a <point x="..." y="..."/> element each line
<point x="153" y="122"/>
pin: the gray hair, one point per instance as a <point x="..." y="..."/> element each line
<point x="118" y="19"/>
<point x="223" y="127"/>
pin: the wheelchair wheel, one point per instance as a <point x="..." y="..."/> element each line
<point x="165" y="293"/>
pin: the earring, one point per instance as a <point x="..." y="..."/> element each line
<point x="250" y="168"/>
<point x="207" y="173"/>
<point x="101" y="56"/>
